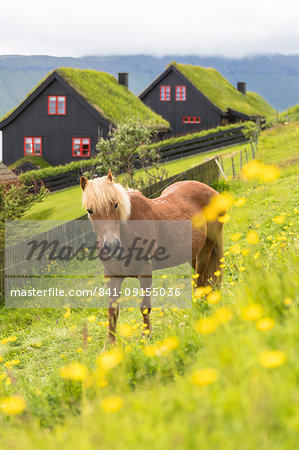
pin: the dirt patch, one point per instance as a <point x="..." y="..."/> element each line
<point x="290" y="162"/>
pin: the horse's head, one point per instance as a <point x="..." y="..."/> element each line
<point x="107" y="203"/>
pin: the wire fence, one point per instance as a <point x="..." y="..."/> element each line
<point x="231" y="165"/>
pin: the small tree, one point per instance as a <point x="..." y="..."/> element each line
<point x="126" y="149"/>
<point x="15" y="200"/>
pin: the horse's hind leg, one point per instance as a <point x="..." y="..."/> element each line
<point x="202" y="261"/>
<point x="145" y="308"/>
<point x="114" y="284"/>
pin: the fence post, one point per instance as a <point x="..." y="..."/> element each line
<point x="246" y="154"/>
<point x="253" y="155"/>
<point x="221" y="169"/>
<point x="233" y="167"/>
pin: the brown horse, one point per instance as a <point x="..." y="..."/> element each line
<point x="108" y="203"/>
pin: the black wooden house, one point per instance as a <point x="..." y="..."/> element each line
<point x="62" y="119"/>
<point x="193" y="98"/>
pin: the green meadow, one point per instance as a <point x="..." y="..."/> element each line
<point x="66" y="204"/>
<point x="222" y="374"/>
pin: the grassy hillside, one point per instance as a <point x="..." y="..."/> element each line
<point x="222" y="374"/>
<point x="222" y="93"/>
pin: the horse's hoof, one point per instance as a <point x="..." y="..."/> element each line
<point x="146" y="336"/>
<point x="108" y="345"/>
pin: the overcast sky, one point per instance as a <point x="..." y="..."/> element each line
<point x="100" y="27"/>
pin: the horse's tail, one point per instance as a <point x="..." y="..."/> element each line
<point x="214" y="263"/>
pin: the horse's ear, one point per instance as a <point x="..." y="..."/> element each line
<point x="109" y="176"/>
<point x="83" y="182"/>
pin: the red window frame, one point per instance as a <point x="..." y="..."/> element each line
<point x="54" y="105"/>
<point x="180" y="93"/>
<point x="34" y="149"/>
<point x="193" y="120"/>
<point x="79" y="151"/>
<point x="165" y="94"/>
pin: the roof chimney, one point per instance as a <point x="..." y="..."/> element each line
<point x="123" y="78"/>
<point x="241" y="86"/>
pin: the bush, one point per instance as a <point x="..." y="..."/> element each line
<point x="57" y="170"/>
<point x="188" y="137"/>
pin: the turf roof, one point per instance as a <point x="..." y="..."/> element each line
<point x="103" y="92"/>
<point x="222" y="93"/>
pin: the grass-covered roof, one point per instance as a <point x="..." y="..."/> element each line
<point x="222" y="93"/>
<point x="103" y="92"/>
<point x="114" y="101"/>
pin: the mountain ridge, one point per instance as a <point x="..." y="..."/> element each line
<point x="275" y="77"/>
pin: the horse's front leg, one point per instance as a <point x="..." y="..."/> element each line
<point x="114" y="286"/>
<point x="146" y="287"/>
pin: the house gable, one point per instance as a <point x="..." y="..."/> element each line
<point x="56" y="132"/>
<point x="196" y="106"/>
<point x="9" y="117"/>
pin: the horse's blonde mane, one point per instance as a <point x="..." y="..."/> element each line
<point x="99" y="194"/>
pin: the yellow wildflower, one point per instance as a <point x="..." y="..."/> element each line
<point x="74" y="371"/>
<point x="218" y="205"/>
<point x="168" y="344"/>
<point x="15" y="362"/>
<point x="204" y="377"/>
<point x="236" y="237"/>
<point x="198" y="220"/>
<point x="261" y="171"/>
<point x="12" y="405"/>
<point x="252" y="237"/>
<point x="217" y="273"/>
<point x="67" y="314"/>
<point x="92" y="318"/>
<point x="236" y="249"/>
<point x="240" y="202"/>
<point x="108" y="360"/>
<point x="4" y="341"/>
<point x="287" y="301"/>
<point x="214" y="297"/>
<point x="265" y="324"/>
<point x="112" y="404"/>
<point x="272" y="359"/>
<point x="207" y="325"/>
<point x="12" y="338"/>
<point x="269" y="173"/>
<point x="279" y="219"/>
<point x="252" y="312"/>
<point x="245" y="251"/>
<point x="151" y="350"/>
<point x="224" y="219"/>
<point x="203" y="290"/>
<point x="223" y="315"/>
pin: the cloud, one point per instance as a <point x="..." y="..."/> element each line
<point x="76" y="28"/>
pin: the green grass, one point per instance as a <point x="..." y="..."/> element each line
<point x="223" y="94"/>
<point x="249" y="406"/>
<point x="276" y="144"/>
<point x="66" y="204"/>
<point x="36" y="160"/>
